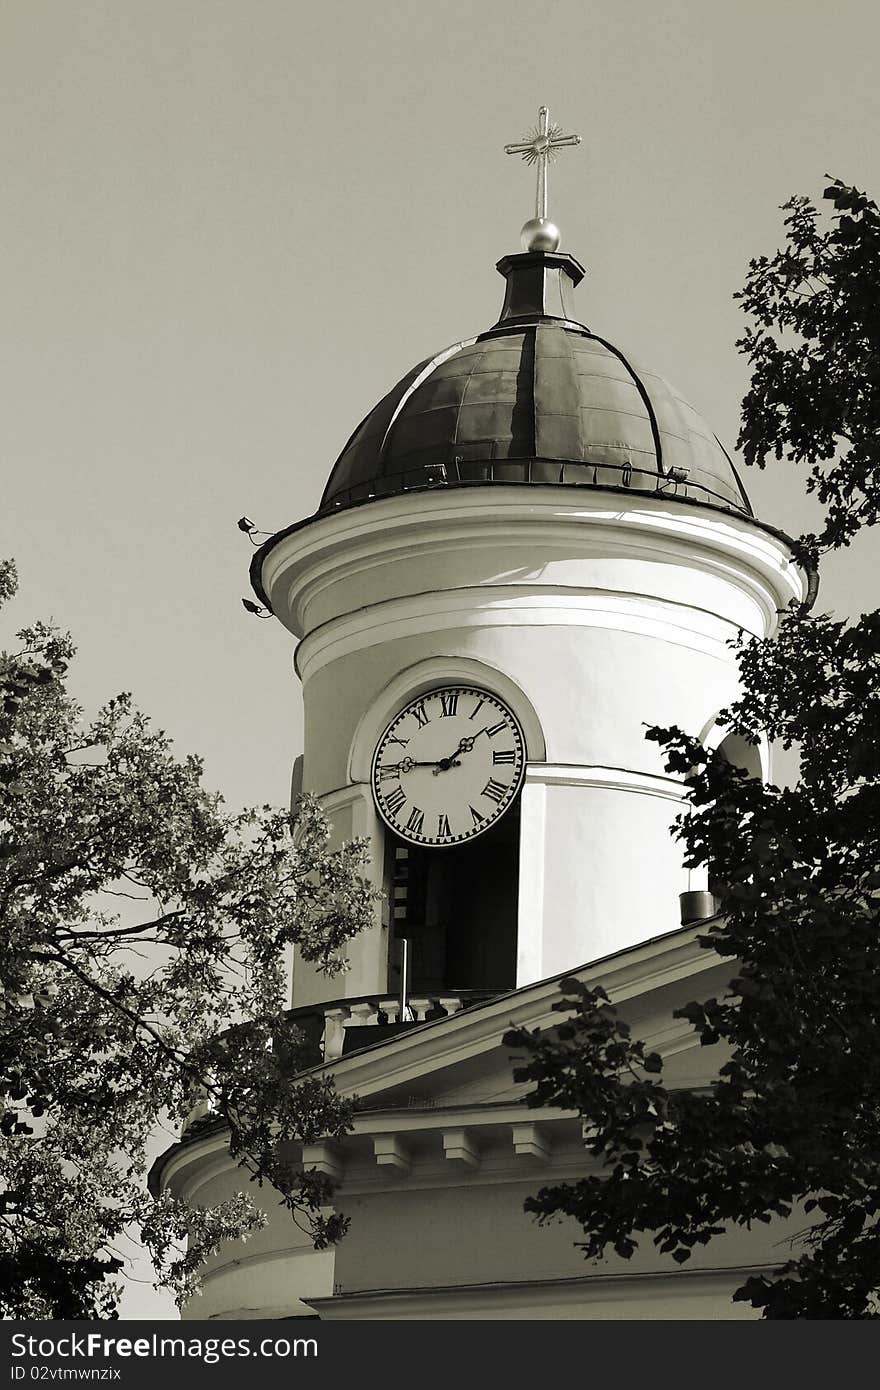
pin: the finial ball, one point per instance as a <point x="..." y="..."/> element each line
<point x="540" y="234"/>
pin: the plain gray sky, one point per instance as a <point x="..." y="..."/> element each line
<point x="231" y="225"/>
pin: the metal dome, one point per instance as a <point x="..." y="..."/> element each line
<point x="538" y="399"/>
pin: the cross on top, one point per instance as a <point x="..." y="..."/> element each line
<point x="540" y="146"/>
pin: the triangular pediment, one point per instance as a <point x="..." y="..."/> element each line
<point x="462" y="1058"/>
<point x="456" y="1073"/>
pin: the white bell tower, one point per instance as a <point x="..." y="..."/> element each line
<point x="530" y="515"/>
<point x="590" y="613"/>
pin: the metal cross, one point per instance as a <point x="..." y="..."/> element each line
<point x="541" y="145"/>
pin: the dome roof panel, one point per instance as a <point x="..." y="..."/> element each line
<point x="499" y="385"/>
<point x="695" y="424"/>
<point x="485" y="422"/>
<point x="418" y="431"/>
<point x="553" y="342"/>
<point x="593" y="357"/>
<point x="677" y="453"/>
<point x="621" y="430"/>
<point x="499" y="353"/>
<point x="437" y="391"/>
<point x="610" y="393"/>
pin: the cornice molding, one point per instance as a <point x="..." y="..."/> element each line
<point x="613" y="778"/>
<point x="519" y="1298"/>
<point x="301" y="565"/>
<point x="514" y="605"/>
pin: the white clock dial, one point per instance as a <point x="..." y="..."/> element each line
<point x="448" y="766"/>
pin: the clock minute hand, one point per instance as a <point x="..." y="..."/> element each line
<point x="407" y="764"/>
<point x="466" y="744"/>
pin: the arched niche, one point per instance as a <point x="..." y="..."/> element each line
<point x="747" y="756"/>
<point x="424" y="675"/>
<point x="753" y="758"/>
<point x="457" y="906"/>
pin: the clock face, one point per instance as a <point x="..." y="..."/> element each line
<point x="448" y="766"/>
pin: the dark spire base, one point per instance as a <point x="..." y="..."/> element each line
<point x="538" y="286"/>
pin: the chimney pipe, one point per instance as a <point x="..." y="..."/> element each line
<point x="697" y="906"/>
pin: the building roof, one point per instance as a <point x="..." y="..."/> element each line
<point x="418" y="1052"/>
<point x="536" y="399"/>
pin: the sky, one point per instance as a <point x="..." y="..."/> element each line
<point x="232" y="225"/>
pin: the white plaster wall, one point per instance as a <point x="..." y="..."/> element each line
<point x="480" y="1235"/>
<point x="264" y="1276"/>
<point x="594" y="688"/>
<point x="612" y="875"/>
<point x="429" y="1242"/>
<point x="611" y="872"/>
<point x="352" y="815"/>
<point x="599" y="618"/>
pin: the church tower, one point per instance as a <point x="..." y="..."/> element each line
<point x="529" y="550"/>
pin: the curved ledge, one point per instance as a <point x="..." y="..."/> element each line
<point x="261" y="582"/>
<point x="622" y="779"/>
<point x="299" y="572"/>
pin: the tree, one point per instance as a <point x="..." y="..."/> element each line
<point x="793" y="1120"/>
<point x="814" y="351"/>
<point x="143" y="931"/>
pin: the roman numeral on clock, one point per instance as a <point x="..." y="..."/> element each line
<point x="391" y="771"/>
<point x="416" y="821"/>
<point x="476" y="711"/>
<point x="495" y="791"/>
<point x="420" y="715"/>
<point x="402" y="741"/>
<point x="478" y="819"/>
<point x="508" y="756"/>
<point x="443" y="826"/>
<point x="448" y="704"/>
<point x="494" y="729"/>
<point x="395" y="800"/>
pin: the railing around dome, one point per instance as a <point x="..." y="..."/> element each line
<point x="461" y="472"/>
